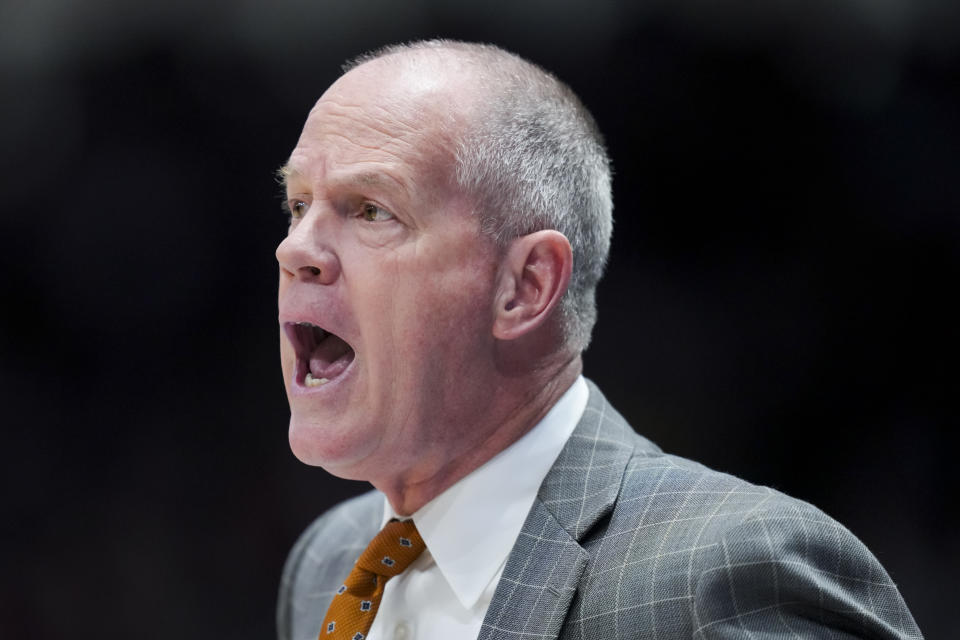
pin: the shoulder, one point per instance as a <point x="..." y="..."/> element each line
<point x="701" y="552"/>
<point x="683" y="506"/>
<point x="323" y="554"/>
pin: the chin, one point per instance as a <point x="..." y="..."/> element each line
<point x="340" y="453"/>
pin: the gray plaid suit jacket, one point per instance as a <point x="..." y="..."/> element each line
<point x="625" y="541"/>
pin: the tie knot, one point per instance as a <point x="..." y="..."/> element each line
<point x="393" y="550"/>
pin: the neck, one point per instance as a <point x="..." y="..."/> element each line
<point x="517" y="409"/>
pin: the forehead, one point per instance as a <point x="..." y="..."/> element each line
<point x="383" y="117"/>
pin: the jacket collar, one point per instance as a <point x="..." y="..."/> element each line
<point x="583" y="484"/>
<point x="545" y="565"/>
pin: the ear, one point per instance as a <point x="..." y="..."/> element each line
<point x="533" y="278"/>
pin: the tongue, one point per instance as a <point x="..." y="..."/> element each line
<point x="330" y="358"/>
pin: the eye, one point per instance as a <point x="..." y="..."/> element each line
<point x="295" y="208"/>
<point x="372" y="213"/>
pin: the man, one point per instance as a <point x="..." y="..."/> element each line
<point x="450" y="218"/>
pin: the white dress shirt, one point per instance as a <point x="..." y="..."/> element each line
<point x="469" y="530"/>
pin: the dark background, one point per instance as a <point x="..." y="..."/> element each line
<point x="778" y="303"/>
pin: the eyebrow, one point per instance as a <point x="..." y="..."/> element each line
<point x="284" y="173"/>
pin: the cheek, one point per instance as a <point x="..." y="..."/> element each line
<point x="443" y="315"/>
<point x="424" y="299"/>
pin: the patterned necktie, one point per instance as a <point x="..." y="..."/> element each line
<point x="356" y="602"/>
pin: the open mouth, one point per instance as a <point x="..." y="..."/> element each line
<point x="321" y="355"/>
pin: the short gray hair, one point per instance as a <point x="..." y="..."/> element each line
<point x="534" y="159"/>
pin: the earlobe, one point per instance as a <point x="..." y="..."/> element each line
<point x="535" y="274"/>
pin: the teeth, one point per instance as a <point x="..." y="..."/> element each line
<point x="314" y="382"/>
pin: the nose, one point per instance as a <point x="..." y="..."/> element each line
<point x="306" y="255"/>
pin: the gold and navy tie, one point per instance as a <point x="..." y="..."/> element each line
<point x="356" y="602"/>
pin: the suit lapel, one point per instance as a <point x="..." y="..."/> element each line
<point x="547" y="561"/>
<point x="538" y="581"/>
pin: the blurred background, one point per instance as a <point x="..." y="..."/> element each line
<point x="779" y="302"/>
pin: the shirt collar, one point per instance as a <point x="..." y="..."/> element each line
<point x="471" y="527"/>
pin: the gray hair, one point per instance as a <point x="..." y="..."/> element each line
<point x="534" y="159"/>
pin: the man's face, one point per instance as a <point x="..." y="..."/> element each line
<point x="385" y="262"/>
